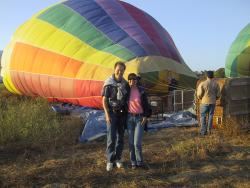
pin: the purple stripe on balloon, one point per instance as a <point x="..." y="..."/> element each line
<point x="121" y="17"/>
<point x="166" y="39"/>
<point x="97" y="16"/>
<point x="141" y="18"/>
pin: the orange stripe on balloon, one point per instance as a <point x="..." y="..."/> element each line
<point x="36" y="71"/>
<point x="28" y="58"/>
<point x="63" y="88"/>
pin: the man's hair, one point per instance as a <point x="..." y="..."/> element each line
<point x="210" y="74"/>
<point x="121" y="64"/>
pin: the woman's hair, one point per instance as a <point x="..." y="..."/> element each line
<point x="132" y="76"/>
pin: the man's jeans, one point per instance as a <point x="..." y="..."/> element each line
<point x="115" y="134"/>
<point x="206" y="109"/>
<point x="135" y="132"/>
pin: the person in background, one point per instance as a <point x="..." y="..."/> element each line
<point x="173" y="84"/>
<point x="115" y="93"/>
<point x="138" y="112"/>
<point x="208" y="91"/>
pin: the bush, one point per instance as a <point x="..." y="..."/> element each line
<point x="30" y="122"/>
<point x="220" y="73"/>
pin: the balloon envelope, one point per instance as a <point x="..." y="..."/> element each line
<point x="66" y="51"/>
<point x="238" y="58"/>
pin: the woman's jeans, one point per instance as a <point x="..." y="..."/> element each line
<point x="135" y="132"/>
<point x="115" y="134"/>
<point x="206" y="109"/>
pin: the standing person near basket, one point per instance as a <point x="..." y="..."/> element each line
<point x="208" y="91"/>
<point x="115" y="93"/>
<point x="138" y="111"/>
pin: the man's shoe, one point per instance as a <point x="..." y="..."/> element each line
<point x="119" y="164"/>
<point x="109" y="166"/>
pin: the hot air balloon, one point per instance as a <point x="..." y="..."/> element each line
<point x="238" y="58"/>
<point x="66" y="51"/>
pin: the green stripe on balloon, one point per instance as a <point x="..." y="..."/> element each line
<point x="238" y="58"/>
<point x="82" y="29"/>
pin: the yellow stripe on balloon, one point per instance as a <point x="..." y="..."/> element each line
<point x="248" y="43"/>
<point x="58" y="41"/>
<point x="159" y="63"/>
<point x="6" y="57"/>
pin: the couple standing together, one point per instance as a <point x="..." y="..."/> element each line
<point x="125" y="104"/>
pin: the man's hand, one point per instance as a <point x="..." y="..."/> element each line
<point x="108" y="120"/>
<point x="106" y="110"/>
<point x="144" y="120"/>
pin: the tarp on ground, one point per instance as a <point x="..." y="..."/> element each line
<point x="95" y="125"/>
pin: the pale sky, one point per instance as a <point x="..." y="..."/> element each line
<point x="203" y="30"/>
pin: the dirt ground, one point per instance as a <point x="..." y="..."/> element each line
<point x="174" y="157"/>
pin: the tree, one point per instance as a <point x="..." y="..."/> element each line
<point x="220" y="73"/>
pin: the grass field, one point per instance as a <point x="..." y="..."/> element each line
<point x="38" y="148"/>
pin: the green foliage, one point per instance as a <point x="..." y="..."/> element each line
<point x="200" y="74"/>
<point x="220" y="73"/>
<point x="29" y="122"/>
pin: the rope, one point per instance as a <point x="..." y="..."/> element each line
<point x="163" y="84"/>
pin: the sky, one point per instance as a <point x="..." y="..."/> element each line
<point x="203" y="30"/>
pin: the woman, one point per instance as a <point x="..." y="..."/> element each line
<point x="138" y="111"/>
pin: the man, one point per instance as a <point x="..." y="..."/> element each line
<point x="208" y="91"/>
<point x="115" y="94"/>
<point x="173" y="83"/>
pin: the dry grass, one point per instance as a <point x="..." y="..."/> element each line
<point x="235" y="125"/>
<point x="175" y="157"/>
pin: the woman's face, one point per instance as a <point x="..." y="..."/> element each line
<point x="132" y="81"/>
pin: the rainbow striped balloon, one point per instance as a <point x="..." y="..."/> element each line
<point x="66" y="51"/>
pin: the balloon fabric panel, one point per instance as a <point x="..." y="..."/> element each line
<point x="93" y="12"/>
<point x="238" y="58"/>
<point x="79" y="27"/>
<point x="145" y="22"/>
<point x="117" y="12"/>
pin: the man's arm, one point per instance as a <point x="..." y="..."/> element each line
<point x="106" y="109"/>
<point x="200" y="91"/>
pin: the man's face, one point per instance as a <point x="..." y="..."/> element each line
<point x="119" y="71"/>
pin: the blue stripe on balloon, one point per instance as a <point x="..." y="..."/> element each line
<point x="99" y="18"/>
<point x="117" y="13"/>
